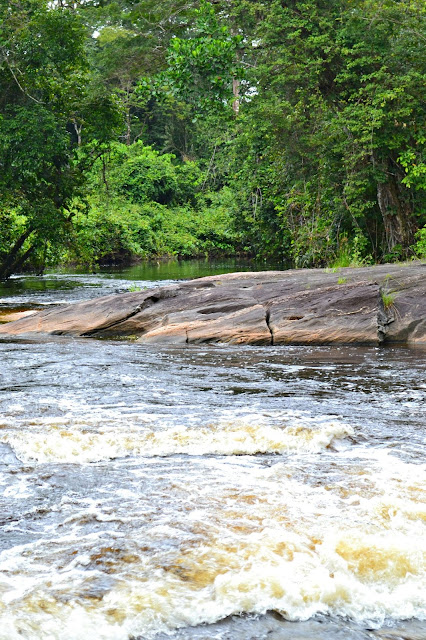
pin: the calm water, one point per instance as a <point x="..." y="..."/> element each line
<point x="151" y="491"/>
<point x="62" y="287"/>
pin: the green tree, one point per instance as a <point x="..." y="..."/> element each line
<point x="201" y="67"/>
<point x="144" y="203"/>
<point x="43" y="97"/>
<point x="131" y="43"/>
<point x="332" y="141"/>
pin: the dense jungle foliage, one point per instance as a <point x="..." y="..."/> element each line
<point x="287" y="129"/>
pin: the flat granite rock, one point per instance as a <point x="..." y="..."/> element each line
<point x="368" y="305"/>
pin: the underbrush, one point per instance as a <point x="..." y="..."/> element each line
<point x="109" y="231"/>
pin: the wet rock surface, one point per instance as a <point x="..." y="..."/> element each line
<point x="368" y="305"/>
<point x="272" y="627"/>
<point x="7" y="315"/>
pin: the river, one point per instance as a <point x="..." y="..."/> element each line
<point x="206" y="492"/>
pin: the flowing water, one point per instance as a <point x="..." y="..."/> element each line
<point x="207" y="492"/>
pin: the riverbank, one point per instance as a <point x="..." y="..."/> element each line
<point x="384" y="304"/>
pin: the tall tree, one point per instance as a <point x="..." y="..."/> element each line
<point x="43" y="96"/>
<point x="132" y="38"/>
<point x="332" y="140"/>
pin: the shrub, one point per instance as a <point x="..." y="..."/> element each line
<point x="420" y="246"/>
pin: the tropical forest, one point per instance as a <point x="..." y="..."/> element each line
<point x="272" y="129"/>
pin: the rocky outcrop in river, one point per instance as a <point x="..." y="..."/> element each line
<point x="369" y="305"/>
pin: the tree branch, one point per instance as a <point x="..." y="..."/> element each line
<point x="18" y="83"/>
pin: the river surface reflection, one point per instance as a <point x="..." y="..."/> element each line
<point x="208" y="492"/>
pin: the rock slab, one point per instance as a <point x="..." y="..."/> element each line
<point x="368" y="305"/>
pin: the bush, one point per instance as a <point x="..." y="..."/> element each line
<point x="420" y="246"/>
<point x="143" y="203"/>
<point x="115" y="230"/>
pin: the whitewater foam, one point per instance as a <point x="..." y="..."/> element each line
<point x="58" y="443"/>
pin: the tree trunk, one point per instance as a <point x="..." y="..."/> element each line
<point x="236" y="92"/>
<point x="128" y="127"/>
<point x="77" y="129"/>
<point x="235" y="81"/>
<point x="21" y="260"/>
<point x="13" y="260"/>
<point x="396" y="214"/>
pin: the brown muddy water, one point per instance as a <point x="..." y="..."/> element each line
<point x="198" y="492"/>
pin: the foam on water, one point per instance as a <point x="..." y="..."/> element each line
<point x="257" y="539"/>
<point x="53" y="442"/>
<point x="137" y="502"/>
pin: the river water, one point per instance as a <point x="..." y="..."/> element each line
<point x="207" y="491"/>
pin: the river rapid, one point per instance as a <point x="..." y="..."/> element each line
<point x="207" y="491"/>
